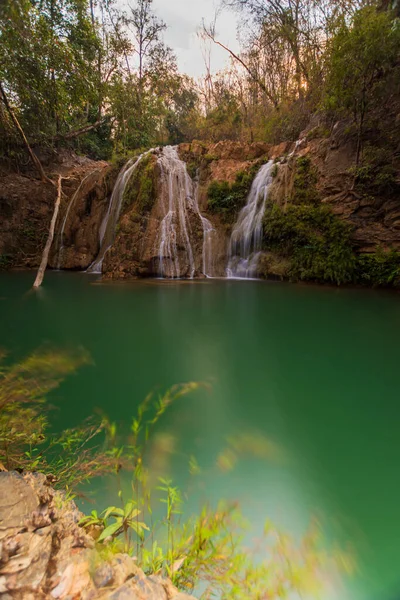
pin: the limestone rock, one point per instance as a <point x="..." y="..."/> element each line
<point x="45" y="555"/>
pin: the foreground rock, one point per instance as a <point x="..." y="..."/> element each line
<point x="45" y="555"/>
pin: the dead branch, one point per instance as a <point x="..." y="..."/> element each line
<point x="210" y="33"/>
<point x="46" y="251"/>
<point x="78" y="132"/>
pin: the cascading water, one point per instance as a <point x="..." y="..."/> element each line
<point x="246" y="239"/>
<point x="70" y="205"/>
<point x="208" y="235"/>
<point x="179" y="196"/>
<point x="109" y="224"/>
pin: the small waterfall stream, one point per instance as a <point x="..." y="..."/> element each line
<point x="110" y="221"/>
<point x="208" y="236"/>
<point x="179" y="197"/>
<point x="246" y="239"/>
<point x="60" y="239"/>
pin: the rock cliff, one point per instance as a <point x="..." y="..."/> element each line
<point x="368" y="198"/>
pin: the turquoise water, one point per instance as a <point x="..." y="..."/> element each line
<point x="315" y="370"/>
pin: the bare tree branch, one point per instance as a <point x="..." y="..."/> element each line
<point x="210" y="33"/>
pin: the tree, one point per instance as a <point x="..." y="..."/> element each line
<point x="360" y="55"/>
<point x="147" y="29"/>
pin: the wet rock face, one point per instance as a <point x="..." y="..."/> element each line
<point x="27" y="204"/>
<point x="138" y="242"/>
<point x="374" y="213"/>
<point x="45" y="555"/>
<point x="76" y="241"/>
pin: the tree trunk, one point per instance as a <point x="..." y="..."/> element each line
<point x="46" y="251"/>
<point x="14" y="119"/>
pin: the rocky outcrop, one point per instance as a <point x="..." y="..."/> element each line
<point x="374" y="211"/>
<point x="45" y="555"/>
<point x="134" y="252"/>
<point x="27" y="204"/>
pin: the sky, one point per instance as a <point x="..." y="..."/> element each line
<point x="184" y="18"/>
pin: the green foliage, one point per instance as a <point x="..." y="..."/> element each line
<point x="224" y="119"/>
<point x="376" y="174"/>
<point x="318" y="132"/>
<point x="226" y="198"/>
<point x="96" y="144"/>
<point x="286" y="123"/>
<point x="318" y="243"/>
<point x="379" y="269"/>
<point x="304" y="183"/>
<point x="204" y="551"/>
<point x="48" y="57"/>
<point x="360" y="56"/>
<point x="25" y="442"/>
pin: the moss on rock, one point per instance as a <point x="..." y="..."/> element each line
<point x="305" y="182"/>
<point x="315" y="240"/>
<point x="141" y="190"/>
<point x="226" y="198"/>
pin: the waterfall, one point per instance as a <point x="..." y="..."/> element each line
<point x="246" y="239"/>
<point x="179" y="197"/>
<point x="71" y="203"/>
<point x="208" y="235"/>
<point x="109" y="224"/>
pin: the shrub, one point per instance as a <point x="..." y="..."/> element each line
<point x="320" y="131"/>
<point x="304" y="184"/>
<point x="379" y="269"/>
<point x="317" y="242"/>
<point x="227" y="199"/>
<point x="375" y="177"/>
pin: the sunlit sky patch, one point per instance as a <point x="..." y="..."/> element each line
<point x="184" y="19"/>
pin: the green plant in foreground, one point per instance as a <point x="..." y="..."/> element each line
<point x="25" y="441"/>
<point x="200" y="552"/>
<point x="124" y="521"/>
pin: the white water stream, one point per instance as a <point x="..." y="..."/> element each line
<point x="246" y="239"/>
<point x="179" y="197"/>
<point x="110" y="221"/>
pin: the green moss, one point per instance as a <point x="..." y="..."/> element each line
<point x="304" y="184"/>
<point x="192" y="168"/>
<point x="141" y="189"/>
<point x="317" y="242"/>
<point x="226" y="198"/>
<point x="318" y="132"/>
